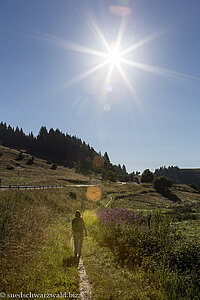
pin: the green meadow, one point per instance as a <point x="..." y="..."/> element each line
<point x="154" y="256"/>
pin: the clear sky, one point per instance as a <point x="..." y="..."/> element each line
<point x="123" y="75"/>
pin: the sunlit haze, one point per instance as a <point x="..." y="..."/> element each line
<point x="124" y="76"/>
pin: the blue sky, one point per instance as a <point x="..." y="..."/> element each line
<point x="145" y="117"/>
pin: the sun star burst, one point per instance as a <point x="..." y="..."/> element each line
<point x="114" y="58"/>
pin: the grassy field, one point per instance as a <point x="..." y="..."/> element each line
<point x="14" y="172"/>
<point x="138" y="262"/>
<point x="35" y="240"/>
<point x="156" y="260"/>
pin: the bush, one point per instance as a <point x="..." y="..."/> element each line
<point x="184" y="257"/>
<point x="30" y="160"/>
<point x="169" y="262"/>
<point x="10" y="167"/>
<point x="128" y="234"/>
<point x="147" y="176"/>
<point x="72" y="195"/>
<point x="162" y="183"/>
<point x="68" y="164"/>
<point x="20" y="156"/>
<point x="54" y="167"/>
<point x="194" y="186"/>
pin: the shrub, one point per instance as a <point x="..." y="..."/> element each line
<point x="30" y="160"/>
<point x="114" y="216"/>
<point x="68" y="164"/>
<point x="162" y="183"/>
<point x="110" y="175"/>
<point x="72" y="195"/>
<point x="20" y="156"/>
<point x="9" y="167"/>
<point x="54" y="167"/>
<point x="128" y="235"/>
<point x="184" y="256"/>
<point x="147" y="176"/>
<point x="194" y="186"/>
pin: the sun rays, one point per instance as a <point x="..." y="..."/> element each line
<point x="113" y="58"/>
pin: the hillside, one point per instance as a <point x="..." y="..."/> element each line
<point x="180" y="176"/>
<point x="145" y="197"/>
<point x="62" y="149"/>
<point x="14" y="171"/>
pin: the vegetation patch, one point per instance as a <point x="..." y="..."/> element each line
<point x="150" y="250"/>
<point x="35" y="240"/>
<point x="110" y="280"/>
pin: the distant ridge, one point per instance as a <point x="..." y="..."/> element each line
<point x="180" y="176"/>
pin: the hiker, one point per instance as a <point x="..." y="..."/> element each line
<point x="78" y="227"/>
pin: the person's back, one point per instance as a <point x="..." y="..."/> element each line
<point x="78" y="228"/>
<point x="78" y="225"/>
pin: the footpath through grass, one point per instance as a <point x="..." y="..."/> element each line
<point x="126" y="255"/>
<point x="36" y="255"/>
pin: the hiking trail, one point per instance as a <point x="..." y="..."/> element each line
<point x="85" y="286"/>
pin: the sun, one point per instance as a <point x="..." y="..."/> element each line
<point x="114" y="56"/>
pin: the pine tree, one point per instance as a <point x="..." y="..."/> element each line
<point x="147" y="176"/>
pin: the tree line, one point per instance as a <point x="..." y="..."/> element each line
<point x="163" y="177"/>
<point x="64" y="149"/>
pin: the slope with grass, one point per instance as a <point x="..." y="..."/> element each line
<point x="15" y="172"/>
<point x="35" y="238"/>
<point x="155" y="258"/>
<point x="180" y="176"/>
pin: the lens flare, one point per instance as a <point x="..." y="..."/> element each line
<point x="120" y="10"/>
<point x="98" y="161"/>
<point x="93" y="193"/>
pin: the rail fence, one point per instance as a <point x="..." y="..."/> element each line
<point x="31" y="186"/>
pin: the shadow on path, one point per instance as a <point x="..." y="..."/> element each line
<point x="70" y="262"/>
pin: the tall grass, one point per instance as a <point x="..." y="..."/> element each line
<point x="154" y="252"/>
<point x="35" y="239"/>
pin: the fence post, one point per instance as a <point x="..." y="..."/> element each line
<point x="149" y="221"/>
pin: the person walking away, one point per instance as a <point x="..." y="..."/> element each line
<point x="78" y="229"/>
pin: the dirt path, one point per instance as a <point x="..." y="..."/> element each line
<point x="111" y="198"/>
<point x="85" y="287"/>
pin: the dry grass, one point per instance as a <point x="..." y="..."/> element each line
<point x="111" y="279"/>
<point x="35" y="238"/>
<point x="145" y="197"/>
<point x="37" y="173"/>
